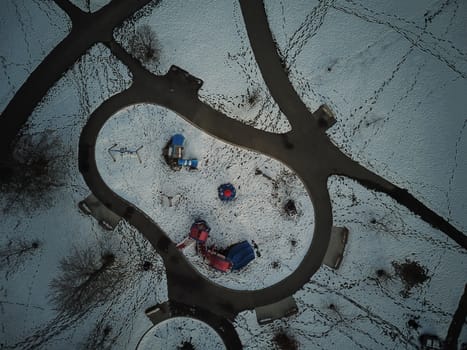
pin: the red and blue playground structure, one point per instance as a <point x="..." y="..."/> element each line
<point x="233" y="258"/>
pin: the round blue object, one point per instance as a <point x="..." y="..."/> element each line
<point x="226" y="192"/>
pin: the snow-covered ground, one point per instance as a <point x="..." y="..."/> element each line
<point x="173" y="333"/>
<point x="59" y="226"/>
<point x="175" y="199"/>
<point x="395" y="75"/>
<point x="215" y="48"/>
<point x="369" y="311"/>
<point x="396" y="83"/>
<point x="29" y="30"/>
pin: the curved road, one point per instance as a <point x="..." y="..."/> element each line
<point x="223" y="327"/>
<point x="178" y="91"/>
<point x="306" y="127"/>
<point x="87" y="29"/>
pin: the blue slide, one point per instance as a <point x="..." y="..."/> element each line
<point x="240" y="255"/>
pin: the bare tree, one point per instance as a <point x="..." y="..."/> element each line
<point x="15" y="253"/>
<point x="29" y="176"/>
<point x="98" y="282"/>
<point x="144" y="45"/>
<point x="93" y="276"/>
<point x="100" y="338"/>
<point x="89" y="278"/>
<point x="285" y="341"/>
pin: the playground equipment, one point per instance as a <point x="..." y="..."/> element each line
<point x="174" y="154"/>
<point x="176" y="146"/>
<point x="191" y="163"/>
<point x="218" y="261"/>
<point x="124" y="151"/>
<point x="240" y="254"/>
<point x="199" y="233"/>
<point x="226" y="192"/>
<point x="233" y="258"/>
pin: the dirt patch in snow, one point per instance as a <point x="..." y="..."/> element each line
<point x="411" y="273"/>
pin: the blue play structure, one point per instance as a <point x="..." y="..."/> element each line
<point x="192" y="163"/>
<point x="175" y="153"/>
<point x="176" y="150"/>
<point x="226" y="192"/>
<point x="240" y="255"/>
<point x="178" y="139"/>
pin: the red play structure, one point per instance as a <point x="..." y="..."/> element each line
<point x="234" y="257"/>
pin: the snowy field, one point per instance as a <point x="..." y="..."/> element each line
<point x="175" y="332"/>
<point x="394" y="73"/>
<point x="29" y="30"/>
<point x="358" y="307"/>
<point x="176" y="199"/>
<point x="28" y="318"/>
<point x="214" y="48"/>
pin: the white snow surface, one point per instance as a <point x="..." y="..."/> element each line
<point x="90" y="5"/>
<point x="396" y="84"/>
<point x="369" y="311"/>
<point x="214" y="48"/>
<point x="256" y="213"/>
<point x="171" y="333"/>
<point x="59" y="226"/>
<point x="29" y="30"/>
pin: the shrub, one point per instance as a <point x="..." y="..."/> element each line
<point x="253" y="97"/>
<point x="411" y="273"/>
<point x="144" y="45"/>
<point x="284" y="341"/>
